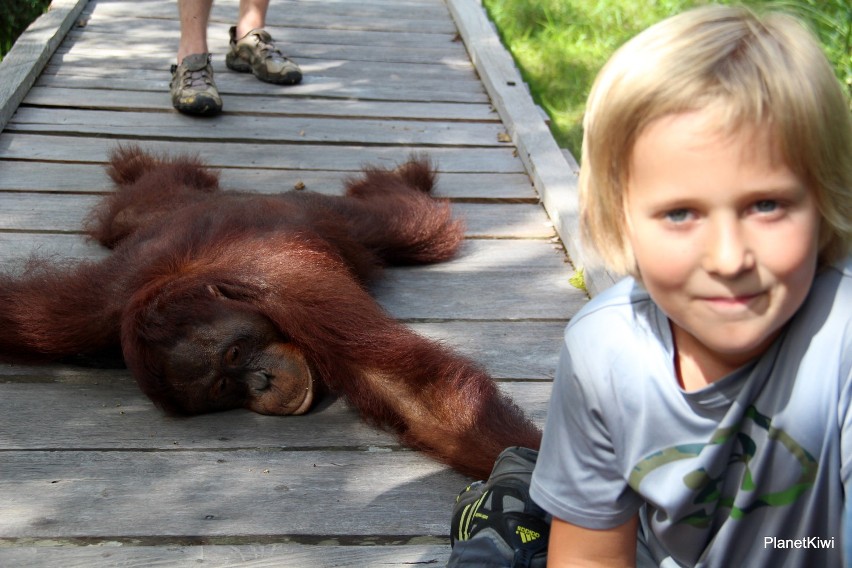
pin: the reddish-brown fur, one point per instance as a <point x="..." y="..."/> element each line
<point x="301" y="260"/>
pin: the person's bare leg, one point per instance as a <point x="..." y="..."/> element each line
<point x="252" y="16"/>
<point x="194" y="16"/>
<point x="192" y="88"/>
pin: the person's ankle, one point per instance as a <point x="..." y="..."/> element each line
<point x="189" y="50"/>
<point x="243" y="29"/>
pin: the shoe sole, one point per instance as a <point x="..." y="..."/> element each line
<point x="199" y="106"/>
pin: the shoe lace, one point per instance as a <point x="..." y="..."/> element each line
<point x="265" y="46"/>
<point x="198" y="78"/>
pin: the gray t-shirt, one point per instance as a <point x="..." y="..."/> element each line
<point x="748" y="471"/>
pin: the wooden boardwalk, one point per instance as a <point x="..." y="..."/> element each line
<point x="91" y="473"/>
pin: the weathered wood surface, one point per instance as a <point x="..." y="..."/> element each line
<point x="114" y="553"/>
<point x="29" y="55"/>
<point x="64" y="213"/>
<point x="554" y="172"/>
<point x="91" y="473"/>
<point x="309" y="130"/>
<point x="91" y="178"/>
<point x="242" y="154"/>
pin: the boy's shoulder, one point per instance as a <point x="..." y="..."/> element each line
<point x="833" y="285"/>
<point x="844" y="268"/>
<point x="621" y="313"/>
<point x="830" y="298"/>
<point x="621" y="300"/>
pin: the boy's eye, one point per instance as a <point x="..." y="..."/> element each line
<point x="766" y="206"/>
<point x="677" y="215"/>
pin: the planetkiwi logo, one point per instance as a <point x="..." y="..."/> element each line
<point x="709" y="497"/>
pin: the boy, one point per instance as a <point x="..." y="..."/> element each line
<point x="700" y="412"/>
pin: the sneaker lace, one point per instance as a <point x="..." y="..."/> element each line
<point x="193" y="78"/>
<point x="264" y="44"/>
<point x="197" y="79"/>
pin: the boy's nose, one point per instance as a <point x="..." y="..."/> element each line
<point x="727" y="251"/>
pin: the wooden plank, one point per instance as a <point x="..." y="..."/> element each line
<point x="277" y="106"/>
<point x="509" y="351"/>
<point x="452" y="75"/>
<point x="61" y="212"/>
<point x="413" y="294"/>
<point x="482" y="255"/>
<point x="166" y="31"/>
<point x="253" y="494"/>
<point x="258" y="129"/>
<point x="160" y="40"/>
<point x="15" y="248"/>
<point x="113" y="414"/>
<point x="277" y="156"/>
<point x="553" y="172"/>
<point x="241" y="83"/>
<point x="330" y="80"/>
<point x="341" y="16"/>
<point x="31" y="51"/>
<point x="500" y="295"/>
<point x="516" y="351"/>
<point x="44" y="212"/>
<point x="475" y="255"/>
<point x="147" y="56"/>
<point x="88" y="178"/>
<point x="409" y="292"/>
<point x="257" y="556"/>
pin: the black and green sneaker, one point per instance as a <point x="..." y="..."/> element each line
<point x="497" y="521"/>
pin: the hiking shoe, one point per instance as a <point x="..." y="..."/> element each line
<point x="192" y="87"/>
<point x="256" y="53"/>
<point x="497" y="520"/>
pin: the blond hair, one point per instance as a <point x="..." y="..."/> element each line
<point x="759" y="70"/>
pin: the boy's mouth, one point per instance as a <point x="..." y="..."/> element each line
<point x="729" y="303"/>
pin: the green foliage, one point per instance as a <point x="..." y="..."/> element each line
<point x="14" y="19"/>
<point x="559" y="45"/>
<point x="578" y="280"/>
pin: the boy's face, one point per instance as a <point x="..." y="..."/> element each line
<point x="725" y="237"/>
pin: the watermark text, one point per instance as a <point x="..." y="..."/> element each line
<point x="809" y="542"/>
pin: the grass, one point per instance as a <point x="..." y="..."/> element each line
<point x="559" y="45"/>
<point x="14" y="19"/>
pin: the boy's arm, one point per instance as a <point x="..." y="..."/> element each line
<point x="575" y="546"/>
